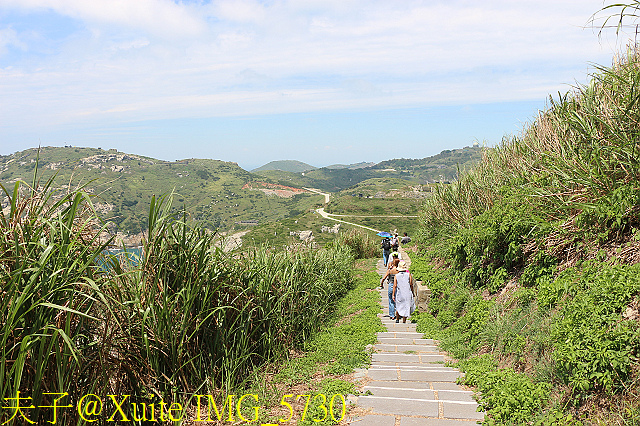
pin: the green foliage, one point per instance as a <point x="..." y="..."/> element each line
<point x="557" y="418"/>
<point x="212" y="191"/>
<point x="361" y="244"/>
<point x="427" y="324"/>
<point x="594" y="346"/>
<point x="492" y="244"/>
<point x="539" y="270"/>
<point x="545" y="226"/>
<point x="182" y="319"/>
<point x="49" y="281"/>
<point x="462" y="337"/>
<point x="508" y="397"/>
<point x="342" y="346"/>
<point x="443" y="166"/>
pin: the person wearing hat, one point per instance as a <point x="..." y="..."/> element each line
<point x="403" y="292"/>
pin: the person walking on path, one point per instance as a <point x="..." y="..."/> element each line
<point x="386" y="249"/>
<point x="406" y="239"/>
<point x="402" y="292"/>
<point x="393" y="257"/>
<point x="395" y="243"/>
<point x="390" y="276"/>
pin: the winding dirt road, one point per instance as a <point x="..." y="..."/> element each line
<point x="332" y="216"/>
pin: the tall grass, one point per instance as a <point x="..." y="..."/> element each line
<point x="538" y="240"/>
<point x="362" y="245"/>
<point x="185" y="319"/>
<point x="48" y="252"/>
<point x="580" y="155"/>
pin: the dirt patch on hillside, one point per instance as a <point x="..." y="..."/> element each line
<point x="274" y="189"/>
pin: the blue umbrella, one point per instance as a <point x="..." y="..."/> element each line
<point x="384" y="234"/>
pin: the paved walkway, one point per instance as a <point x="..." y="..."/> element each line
<point x="407" y="383"/>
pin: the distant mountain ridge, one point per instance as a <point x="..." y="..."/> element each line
<point x="217" y="194"/>
<point x="293" y="166"/>
<point x="354" y="166"/>
<point x="442" y="167"/>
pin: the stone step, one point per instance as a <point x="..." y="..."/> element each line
<point x="401" y="334"/>
<point x="421" y="393"/>
<point x="412" y="366"/>
<point x="389" y="420"/>
<point x="400" y="327"/>
<point x="398" y="385"/>
<point x="400" y="406"/>
<point x="392" y="323"/>
<point x="401" y="358"/>
<point x="407" y="381"/>
<point x="420" y="407"/>
<point x="385" y="347"/>
<point x="413" y="375"/>
<point x="391" y="391"/>
<point x="405" y="341"/>
<point x="416" y="421"/>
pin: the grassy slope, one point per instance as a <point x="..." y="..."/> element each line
<point x="331" y="355"/>
<point x="211" y="190"/>
<point x="442" y="166"/>
<point x="532" y="260"/>
<point x="399" y="202"/>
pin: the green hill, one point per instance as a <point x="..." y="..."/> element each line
<point x="293" y="166"/>
<point x="437" y="168"/>
<point x="532" y="260"/>
<point x="218" y="194"/>
<point x="441" y="167"/>
<point x="360" y="165"/>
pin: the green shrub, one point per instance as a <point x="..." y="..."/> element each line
<point x="507" y="396"/>
<point x="594" y="346"/>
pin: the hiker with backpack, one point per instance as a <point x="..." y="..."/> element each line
<point x="386" y="249"/>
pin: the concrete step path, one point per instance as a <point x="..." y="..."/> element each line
<point x="408" y="384"/>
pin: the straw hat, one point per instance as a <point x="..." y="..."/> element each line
<point x="402" y="266"/>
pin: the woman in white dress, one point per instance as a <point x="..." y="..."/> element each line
<point x="403" y="292"/>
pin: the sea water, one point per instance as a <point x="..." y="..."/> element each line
<point x="130" y="255"/>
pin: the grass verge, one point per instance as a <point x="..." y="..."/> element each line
<point x="326" y="364"/>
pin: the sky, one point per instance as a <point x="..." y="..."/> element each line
<point x="319" y="81"/>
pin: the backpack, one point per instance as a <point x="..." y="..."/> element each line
<point x="386" y="244"/>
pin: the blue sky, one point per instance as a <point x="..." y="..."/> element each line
<point x="320" y="81"/>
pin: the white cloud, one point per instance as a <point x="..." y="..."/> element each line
<point x="9" y="38"/>
<point x="159" y="17"/>
<point x="234" y="57"/>
<point x="242" y="11"/>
